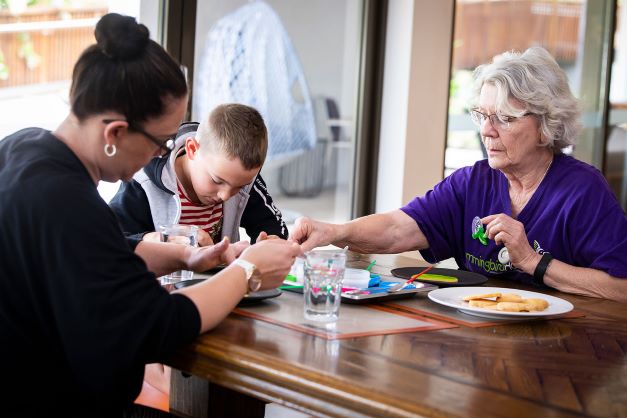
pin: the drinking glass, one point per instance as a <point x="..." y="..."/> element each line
<point x="324" y="271"/>
<point x="180" y="234"/>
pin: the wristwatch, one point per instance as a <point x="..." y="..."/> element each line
<point x="254" y="282"/>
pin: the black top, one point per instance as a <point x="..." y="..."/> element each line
<point x="80" y="315"/>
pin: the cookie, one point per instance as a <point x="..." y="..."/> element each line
<point x="483" y="296"/>
<point x="511" y="307"/>
<point x="482" y="303"/>
<point x="536" y="304"/>
<point x="509" y="297"/>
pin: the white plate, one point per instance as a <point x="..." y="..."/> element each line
<point x="453" y="297"/>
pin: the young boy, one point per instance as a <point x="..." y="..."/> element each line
<point x="210" y="179"/>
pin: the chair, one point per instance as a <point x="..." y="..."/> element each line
<point x="248" y="58"/>
<point x="308" y="174"/>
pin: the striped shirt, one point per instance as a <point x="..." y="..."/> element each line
<point x="208" y="218"/>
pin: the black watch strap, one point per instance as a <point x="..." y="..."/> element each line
<point x="538" y="273"/>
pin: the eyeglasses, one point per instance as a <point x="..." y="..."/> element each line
<point x="497" y="121"/>
<point x="166" y="146"/>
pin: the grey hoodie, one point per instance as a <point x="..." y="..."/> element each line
<point x="151" y="199"/>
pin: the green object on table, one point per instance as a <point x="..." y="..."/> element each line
<point x="370" y="265"/>
<point x="438" y="278"/>
<point x="291" y="278"/>
<point x="287" y="287"/>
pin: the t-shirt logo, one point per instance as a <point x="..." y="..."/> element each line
<point x="537" y="248"/>
<point x="478" y="232"/>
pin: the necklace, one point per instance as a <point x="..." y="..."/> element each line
<point x="519" y="200"/>
<point x="545" y="171"/>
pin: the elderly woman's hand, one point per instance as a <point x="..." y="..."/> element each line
<point x="310" y="233"/>
<point x="507" y="231"/>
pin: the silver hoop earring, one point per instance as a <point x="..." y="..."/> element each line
<point x="110" y="150"/>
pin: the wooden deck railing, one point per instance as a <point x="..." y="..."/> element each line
<point x="41" y="45"/>
<point x="484" y="29"/>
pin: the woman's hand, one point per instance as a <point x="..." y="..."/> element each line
<point x="152" y="237"/>
<point x="507" y="231"/>
<point x="204" y="239"/>
<point x="273" y="259"/>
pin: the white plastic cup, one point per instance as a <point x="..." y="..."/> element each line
<point x="324" y="273"/>
<point x="180" y="234"/>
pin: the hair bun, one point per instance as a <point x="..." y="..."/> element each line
<point x="121" y="36"/>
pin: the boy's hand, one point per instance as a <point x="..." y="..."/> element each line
<point x="201" y="259"/>
<point x="263" y="235"/>
<point x="234" y="251"/>
<point x="204" y="239"/>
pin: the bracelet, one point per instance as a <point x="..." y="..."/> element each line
<point x="538" y="273"/>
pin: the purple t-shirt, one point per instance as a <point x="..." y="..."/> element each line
<point x="573" y="215"/>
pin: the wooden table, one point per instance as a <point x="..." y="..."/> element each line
<point x="555" y="368"/>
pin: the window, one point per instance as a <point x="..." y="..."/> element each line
<point x="297" y="62"/>
<point x="575" y="32"/>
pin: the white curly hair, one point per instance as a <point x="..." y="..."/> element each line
<point x="534" y="79"/>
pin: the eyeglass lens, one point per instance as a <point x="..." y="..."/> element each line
<point x="478" y="118"/>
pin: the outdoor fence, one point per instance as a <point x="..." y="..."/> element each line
<point x="41" y="45"/>
<point x="484" y="29"/>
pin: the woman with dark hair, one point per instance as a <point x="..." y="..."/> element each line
<point x="80" y="312"/>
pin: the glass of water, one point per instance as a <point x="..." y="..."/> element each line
<point x="179" y="234"/>
<point x="324" y="272"/>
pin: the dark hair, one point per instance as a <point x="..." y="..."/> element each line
<point x="238" y="130"/>
<point x="126" y="72"/>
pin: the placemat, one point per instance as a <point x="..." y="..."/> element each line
<point x="354" y="320"/>
<point x="423" y="306"/>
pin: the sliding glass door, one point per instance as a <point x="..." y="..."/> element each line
<point x="577" y="32"/>
<point x="298" y="63"/>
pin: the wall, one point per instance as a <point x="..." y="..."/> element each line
<point x="415" y="100"/>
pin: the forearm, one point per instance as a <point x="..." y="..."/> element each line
<point x="162" y="258"/>
<point x="386" y="233"/>
<point x="585" y="281"/>
<point x="216" y="297"/>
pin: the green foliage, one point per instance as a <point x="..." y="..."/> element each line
<point x="5" y="4"/>
<point x="460" y="91"/>
<point x="4" y="69"/>
<point x="27" y="52"/>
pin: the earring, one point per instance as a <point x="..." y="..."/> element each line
<point x="110" y="150"/>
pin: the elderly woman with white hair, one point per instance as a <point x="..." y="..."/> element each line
<point x="528" y="213"/>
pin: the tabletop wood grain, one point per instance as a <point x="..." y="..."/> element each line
<point x="549" y="368"/>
